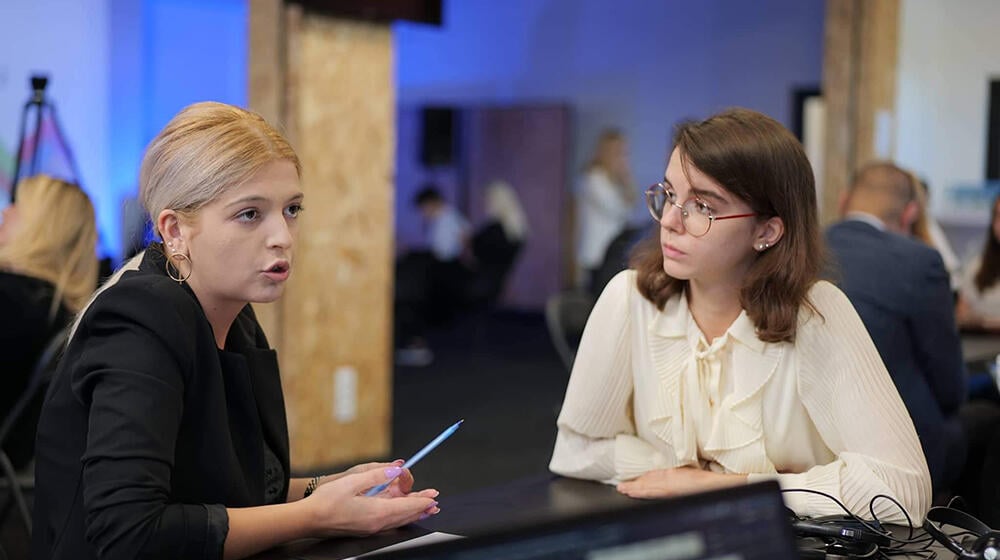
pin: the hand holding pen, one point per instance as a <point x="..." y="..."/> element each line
<point x="396" y="471"/>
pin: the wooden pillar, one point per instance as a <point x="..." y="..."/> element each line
<point x="329" y="83"/>
<point x="859" y="89"/>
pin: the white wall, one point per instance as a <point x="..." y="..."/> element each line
<point x="641" y="65"/>
<point x="948" y="53"/>
<point x="68" y="40"/>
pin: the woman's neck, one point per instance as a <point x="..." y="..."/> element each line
<point x="221" y="322"/>
<point x="714" y="307"/>
<point x="220" y="313"/>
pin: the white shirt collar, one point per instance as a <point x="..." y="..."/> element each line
<point x="867" y="218"/>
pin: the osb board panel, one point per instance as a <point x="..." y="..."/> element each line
<point x="336" y="312"/>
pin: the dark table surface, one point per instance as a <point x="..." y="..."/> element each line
<point x="522" y="502"/>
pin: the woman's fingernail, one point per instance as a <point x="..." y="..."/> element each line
<point x="393" y="472"/>
<point x="435" y="494"/>
<point x="423" y="516"/>
<point x="398" y="462"/>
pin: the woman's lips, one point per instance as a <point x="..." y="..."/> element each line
<point x="672" y="252"/>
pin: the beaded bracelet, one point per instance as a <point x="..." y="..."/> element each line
<point x="311" y="487"/>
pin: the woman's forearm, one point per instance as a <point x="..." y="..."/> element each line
<point x="254" y="529"/>
<point x="297" y="489"/>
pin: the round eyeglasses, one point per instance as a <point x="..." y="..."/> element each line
<point x="695" y="213"/>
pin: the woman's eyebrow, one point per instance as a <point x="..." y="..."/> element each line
<point x="247" y="200"/>
<point x="702" y="193"/>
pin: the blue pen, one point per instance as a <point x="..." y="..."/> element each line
<point x="420" y="455"/>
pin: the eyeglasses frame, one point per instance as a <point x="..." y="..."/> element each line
<point x="712" y="218"/>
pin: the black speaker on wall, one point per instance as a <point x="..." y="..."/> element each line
<point x="421" y="11"/>
<point x="437" y="136"/>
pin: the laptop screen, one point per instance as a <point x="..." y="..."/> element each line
<point x="744" y="523"/>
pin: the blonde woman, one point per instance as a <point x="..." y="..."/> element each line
<point x="604" y="201"/>
<point x="164" y="433"/>
<point x="48" y="269"/>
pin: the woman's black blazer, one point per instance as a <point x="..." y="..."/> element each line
<point x="149" y="431"/>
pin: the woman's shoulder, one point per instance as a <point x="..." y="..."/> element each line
<point x="825" y="295"/>
<point x="623" y="290"/>
<point x="596" y="176"/>
<point x="621" y="286"/>
<point x="827" y="316"/>
<point x="21" y="284"/>
<point x="147" y="299"/>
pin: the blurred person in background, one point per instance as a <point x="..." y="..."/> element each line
<point x="48" y="270"/>
<point x="899" y="286"/>
<point x="604" y="201"/>
<point x="496" y="243"/>
<point x="431" y="277"/>
<point x="928" y="230"/>
<point x="979" y="297"/>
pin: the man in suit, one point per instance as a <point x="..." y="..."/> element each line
<point x="901" y="290"/>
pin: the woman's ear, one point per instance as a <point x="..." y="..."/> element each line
<point x="770" y="232"/>
<point x="168" y="225"/>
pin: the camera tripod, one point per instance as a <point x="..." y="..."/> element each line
<point x="24" y="144"/>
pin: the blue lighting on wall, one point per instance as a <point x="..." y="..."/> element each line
<point x="165" y="55"/>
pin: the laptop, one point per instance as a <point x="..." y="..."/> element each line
<point x="742" y="523"/>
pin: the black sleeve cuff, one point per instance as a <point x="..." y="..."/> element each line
<point x="216" y="531"/>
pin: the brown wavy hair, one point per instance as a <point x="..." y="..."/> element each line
<point x="989" y="268"/>
<point x="756" y="159"/>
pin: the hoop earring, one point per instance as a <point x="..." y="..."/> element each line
<point x="179" y="257"/>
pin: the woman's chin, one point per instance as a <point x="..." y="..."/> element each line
<point x="270" y="295"/>
<point x="675" y="271"/>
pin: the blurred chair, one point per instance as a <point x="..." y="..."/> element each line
<point x="566" y="315"/>
<point x="17" y="483"/>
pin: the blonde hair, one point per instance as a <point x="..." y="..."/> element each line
<point x="607" y="139"/>
<point x="56" y="239"/>
<point x="601" y="159"/>
<point x="205" y="150"/>
<point x="504" y="206"/>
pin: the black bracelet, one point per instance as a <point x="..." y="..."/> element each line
<point x="311" y="487"/>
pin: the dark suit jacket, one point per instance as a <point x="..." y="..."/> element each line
<point x="26" y="326"/>
<point x="901" y="290"/>
<point x="149" y="430"/>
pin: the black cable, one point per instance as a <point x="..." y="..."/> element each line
<point x="849" y="513"/>
<point x="871" y="508"/>
<point x="898" y="546"/>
